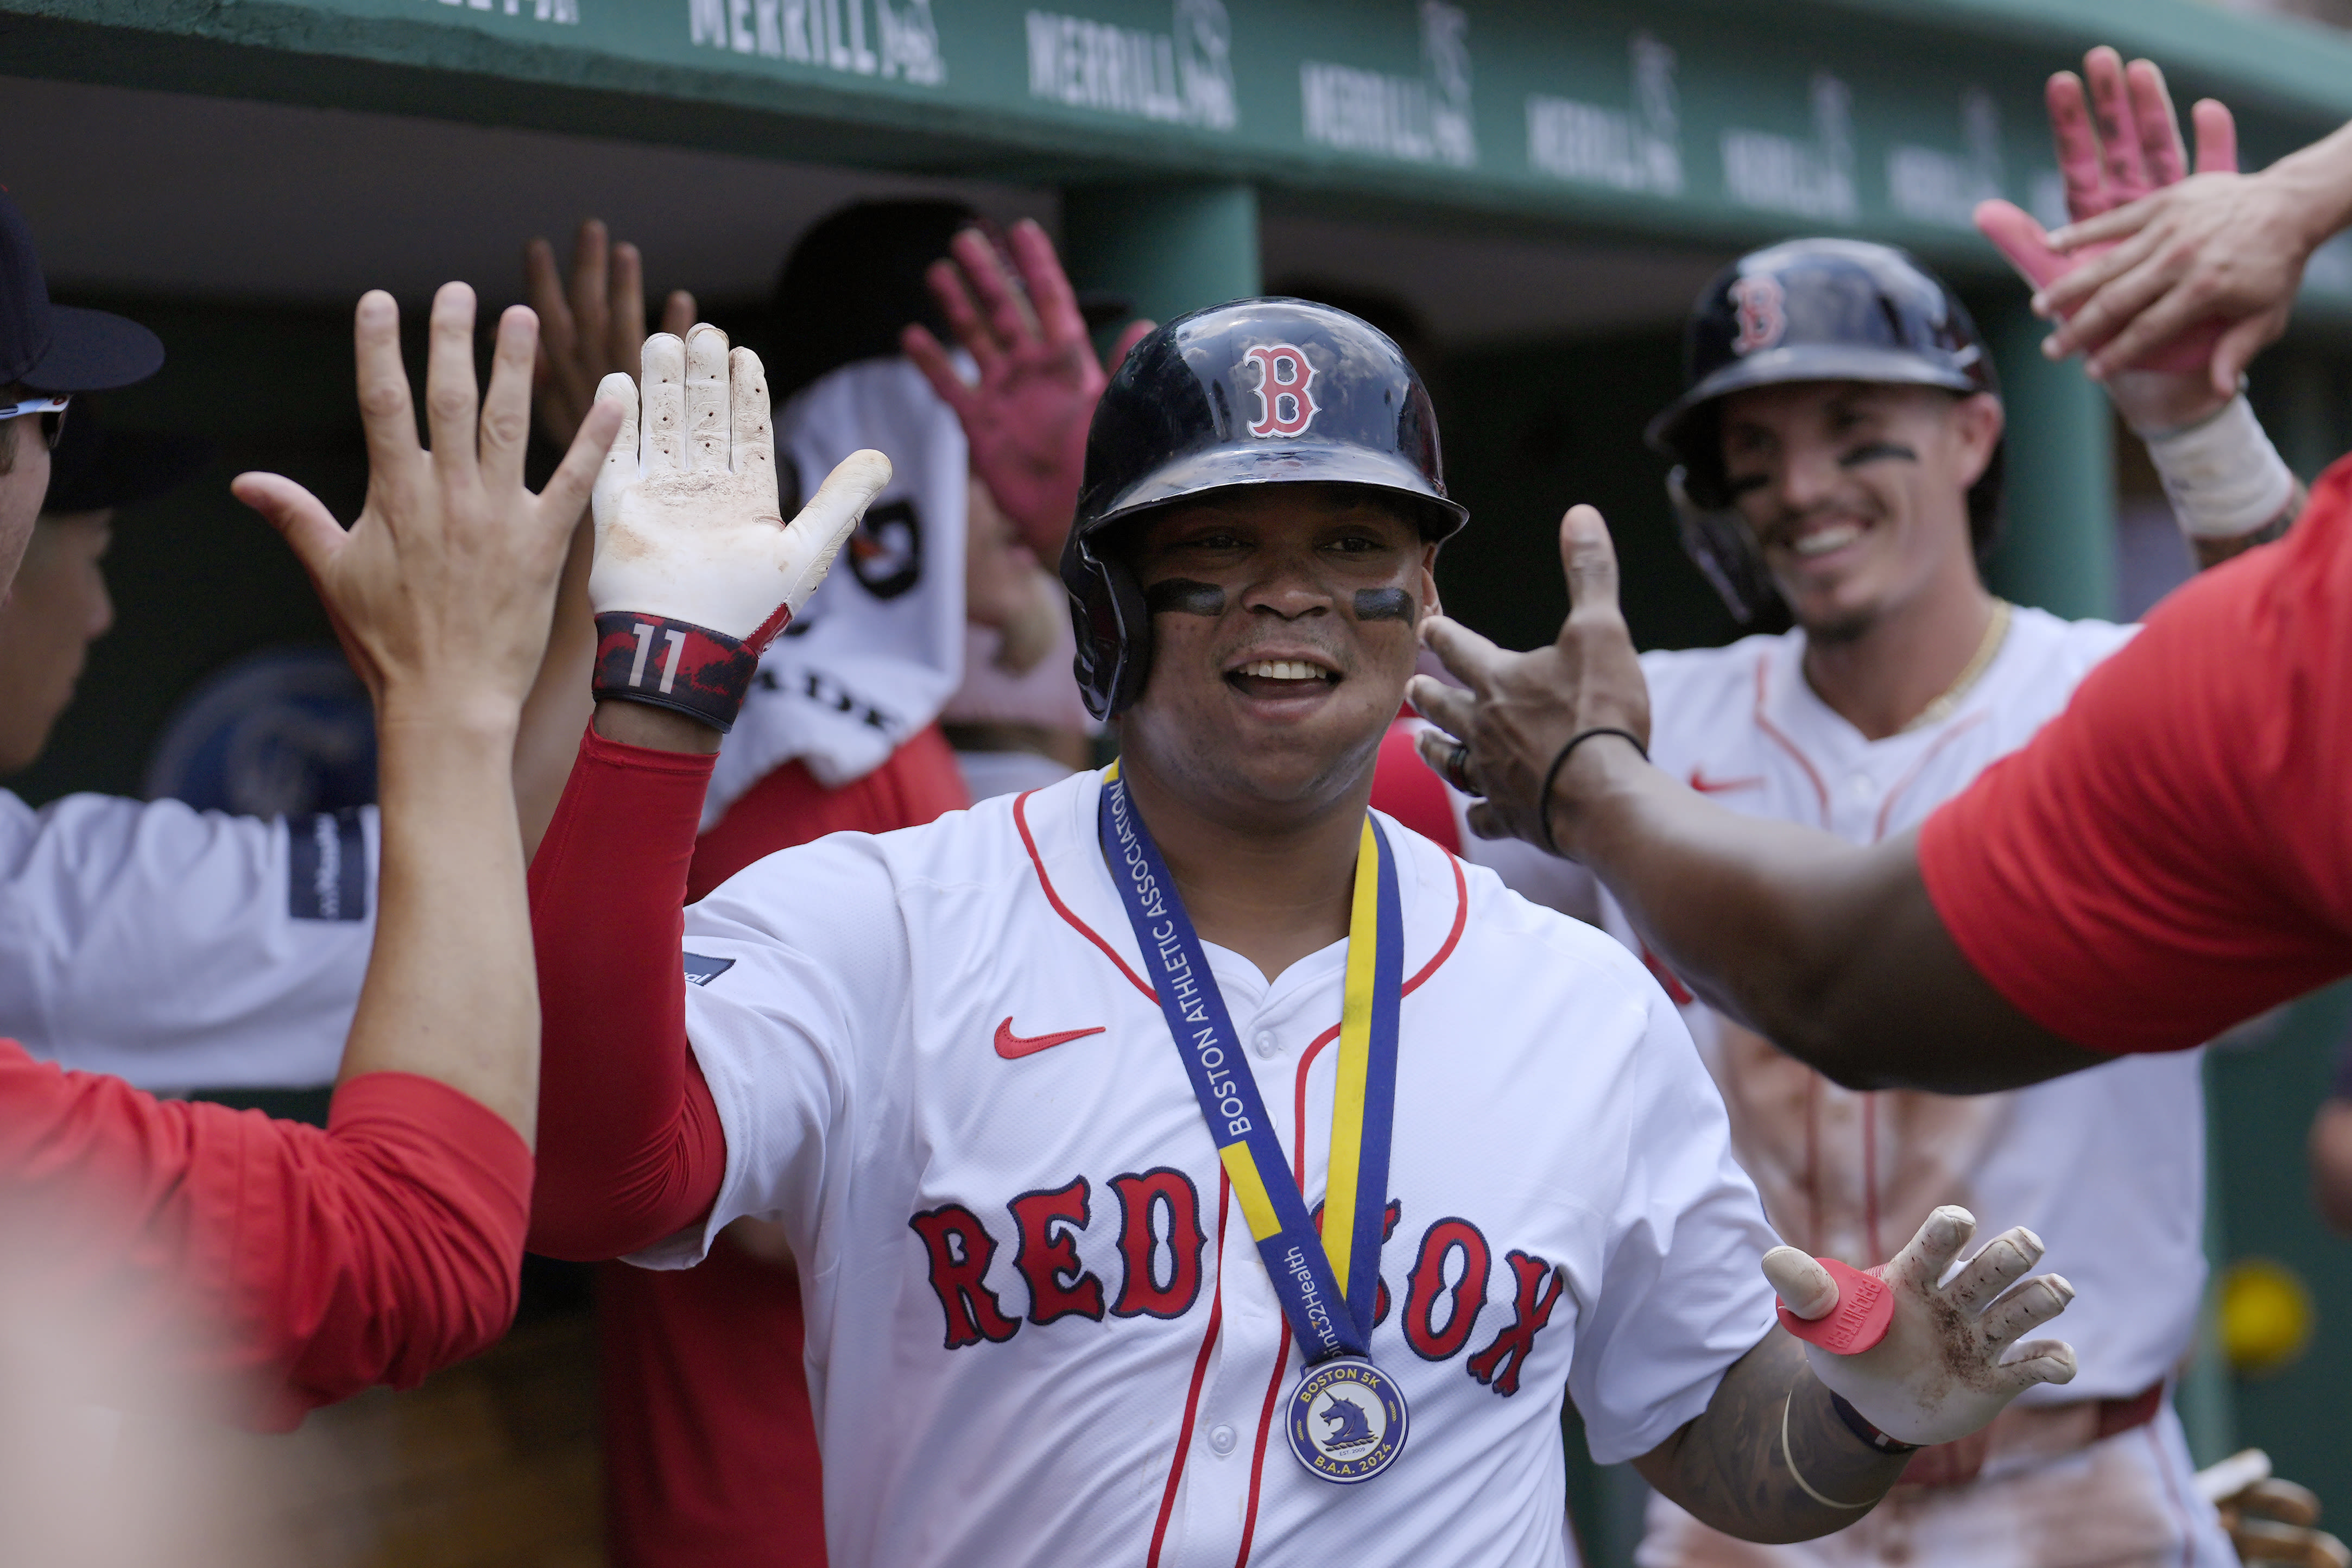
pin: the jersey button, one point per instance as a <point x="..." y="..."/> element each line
<point x="1267" y="1045"/>
<point x="1221" y="1439"/>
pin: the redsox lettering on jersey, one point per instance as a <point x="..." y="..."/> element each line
<point x="1162" y="1235"/>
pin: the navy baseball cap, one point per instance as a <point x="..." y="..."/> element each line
<point x="61" y="348"/>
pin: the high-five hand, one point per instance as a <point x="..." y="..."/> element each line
<point x="1025" y="417"/>
<point x="697" y="570"/>
<point x="592" y="329"/>
<point x="1526" y="715"/>
<point x="1950" y="1356"/>
<point x="2113" y="148"/>
<point x="442" y="589"/>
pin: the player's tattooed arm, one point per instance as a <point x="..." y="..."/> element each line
<point x="1801" y="1439"/>
<point x="1729" y="1469"/>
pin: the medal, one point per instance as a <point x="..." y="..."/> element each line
<point x="1347" y="1419"/>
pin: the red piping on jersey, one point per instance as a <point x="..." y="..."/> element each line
<point x="1037" y="861"/>
<point x="1820" y="790"/>
<point x="1021" y="820"/>
<point x="1265" y="1425"/>
<point x="1878" y="829"/>
<point x="1200" y="1372"/>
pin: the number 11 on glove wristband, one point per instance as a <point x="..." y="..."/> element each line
<point x="700" y="673"/>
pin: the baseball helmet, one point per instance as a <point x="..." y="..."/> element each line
<point x="1272" y="391"/>
<point x="1809" y="309"/>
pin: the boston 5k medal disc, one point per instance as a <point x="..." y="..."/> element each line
<point x="1347" y="1420"/>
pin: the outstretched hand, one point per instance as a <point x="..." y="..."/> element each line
<point x="1520" y="709"/>
<point x="2119" y="146"/>
<point x="593" y="328"/>
<point x="1025" y="416"/>
<point x="442" y="590"/>
<point x="1951" y="1356"/>
<point x="688" y="523"/>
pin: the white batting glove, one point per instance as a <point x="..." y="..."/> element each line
<point x="1918" y="1359"/>
<point x="696" y="570"/>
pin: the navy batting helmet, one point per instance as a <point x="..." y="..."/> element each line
<point x="1809" y="309"/>
<point x="1256" y="392"/>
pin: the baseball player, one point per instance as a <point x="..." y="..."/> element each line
<point x="1047" y="1093"/>
<point x="1842" y="423"/>
<point x="173" y="948"/>
<point x="313" y="1263"/>
<point x="2159" y="862"/>
<point x="709" y="1446"/>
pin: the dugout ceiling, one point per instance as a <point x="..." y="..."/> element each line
<point x="1704" y="123"/>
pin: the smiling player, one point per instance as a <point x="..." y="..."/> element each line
<point x="1047" y="1095"/>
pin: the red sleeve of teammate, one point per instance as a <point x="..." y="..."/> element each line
<point x="630" y="1149"/>
<point x="317" y="1263"/>
<point x="2174" y="852"/>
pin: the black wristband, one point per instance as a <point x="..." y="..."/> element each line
<point x="1551" y="773"/>
<point x="1859" y="1425"/>
<point x="673" y="664"/>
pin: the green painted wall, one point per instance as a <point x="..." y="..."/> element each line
<point x="1699" y="119"/>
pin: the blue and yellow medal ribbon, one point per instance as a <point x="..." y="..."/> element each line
<point x="1312" y="1275"/>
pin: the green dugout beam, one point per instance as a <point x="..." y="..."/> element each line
<point x="1169" y="247"/>
<point x="2059" y="551"/>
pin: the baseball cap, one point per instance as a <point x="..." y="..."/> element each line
<point x="96" y="468"/>
<point x="61" y="348"/>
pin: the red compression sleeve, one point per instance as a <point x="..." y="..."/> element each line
<point x="307" y="1264"/>
<point x="630" y="1149"/>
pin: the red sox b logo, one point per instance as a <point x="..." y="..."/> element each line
<point x="1285" y="406"/>
<point x="1761" y="320"/>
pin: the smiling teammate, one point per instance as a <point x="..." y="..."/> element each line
<point x="1046" y="1155"/>
<point x="1843" y="415"/>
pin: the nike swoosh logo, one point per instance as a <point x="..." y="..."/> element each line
<point x="1013" y="1046"/>
<point x="1705" y="786"/>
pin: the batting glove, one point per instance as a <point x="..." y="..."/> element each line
<point x="1921" y="1360"/>
<point x="696" y="570"/>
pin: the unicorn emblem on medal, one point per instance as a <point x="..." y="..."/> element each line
<point x="1347" y="1420"/>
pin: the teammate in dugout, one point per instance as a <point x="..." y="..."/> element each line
<point x="120" y="911"/>
<point x="1051" y="1204"/>
<point x="1840" y="453"/>
<point x="2164" y="859"/>
<point x="303" y="1265"/>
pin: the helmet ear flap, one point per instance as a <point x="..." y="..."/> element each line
<point x="1113" y="626"/>
<point x="1717" y="540"/>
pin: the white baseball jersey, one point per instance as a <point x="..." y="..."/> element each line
<point x="880" y="645"/>
<point x="181" y="949"/>
<point x="2108" y="1165"/>
<point x="1038" y="1329"/>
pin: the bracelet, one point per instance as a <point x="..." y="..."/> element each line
<point x="1860" y="1426"/>
<point x="1551" y="775"/>
<point x="2223" y="475"/>
<point x="1803" y="1485"/>
<point x="673" y="664"/>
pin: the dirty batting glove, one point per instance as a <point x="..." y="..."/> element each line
<point x="1915" y="1361"/>
<point x="696" y="570"/>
